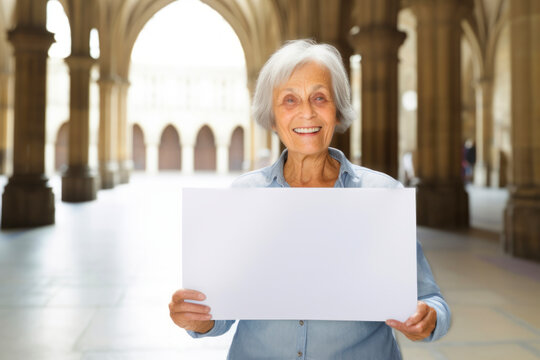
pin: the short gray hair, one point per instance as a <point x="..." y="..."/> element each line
<point x="281" y="65"/>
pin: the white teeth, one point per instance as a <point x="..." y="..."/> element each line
<point x="307" y="130"/>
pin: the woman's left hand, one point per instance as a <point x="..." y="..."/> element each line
<point x="420" y="325"/>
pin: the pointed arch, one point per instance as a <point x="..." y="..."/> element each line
<point x="205" y="150"/>
<point x="236" y="150"/>
<point x="138" y="148"/>
<point x="170" y="150"/>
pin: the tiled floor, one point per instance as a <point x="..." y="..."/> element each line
<point x="96" y="285"/>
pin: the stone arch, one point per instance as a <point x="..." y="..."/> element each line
<point x="143" y="11"/>
<point x="61" y="147"/>
<point x="138" y="148"/>
<point x="474" y="48"/>
<point x="205" y="150"/>
<point x="236" y="150"/>
<point x="170" y="150"/>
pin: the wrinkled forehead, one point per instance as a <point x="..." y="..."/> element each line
<point x="316" y="69"/>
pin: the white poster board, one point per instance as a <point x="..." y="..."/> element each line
<point x="301" y="253"/>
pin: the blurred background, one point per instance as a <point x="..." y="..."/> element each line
<point x="109" y="107"/>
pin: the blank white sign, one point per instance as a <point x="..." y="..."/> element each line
<point x="301" y="253"/>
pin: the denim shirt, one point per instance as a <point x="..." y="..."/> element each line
<point x="316" y="339"/>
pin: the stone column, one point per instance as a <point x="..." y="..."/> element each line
<point x="251" y="83"/>
<point x="378" y="42"/>
<point x="28" y="200"/>
<point x="441" y="198"/>
<point x="152" y="158"/>
<point x="188" y="159"/>
<point x="222" y="158"/>
<point x="125" y="163"/>
<point x="107" y="151"/>
<point x="4" y="117"/>
<point x="522" y="216"/>
<point x="342" y="141"/>
<point x="484" y="131"/>
<point x="79" y="183"/>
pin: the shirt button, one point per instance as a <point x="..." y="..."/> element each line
<point x="300" y="354"/>
<point x="301" y="322"/>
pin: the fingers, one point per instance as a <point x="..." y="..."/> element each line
<point x="419" y="325"/>
<point x="189" y="315"/>
<point x="188" y="307"/>
<point x="187" y="294"/>
<point x="422" y="310"/>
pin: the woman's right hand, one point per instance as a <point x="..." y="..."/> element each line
<point x="190" y="316"/>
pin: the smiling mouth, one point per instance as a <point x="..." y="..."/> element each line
<point x="310" y="130"/>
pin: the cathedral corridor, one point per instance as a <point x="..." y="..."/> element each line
<point x="96" y="285"/>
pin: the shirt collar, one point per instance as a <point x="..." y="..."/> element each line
<point x="345" y="169"/>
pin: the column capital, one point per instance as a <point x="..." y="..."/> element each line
<point x="75" y="62"/>
<point x="440" y="10"/>
<point x="30" y="39"/>
<point x="109" y="80"/>
<point x="377" y="41"/>
<point x="483" y="80"/>
<point x="123" y="82"/>
<point x="484" y="84"/>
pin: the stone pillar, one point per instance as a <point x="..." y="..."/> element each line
<point x="152" y="158"/>
<point x="27" y="199"/>
<point x="522" y="216"/>
<point x="222" y="158"/>
<point x="378" y="42"/>
<point x="484" y="131"/>
<point x="4" y="117"/>
<point x="251" y="83"/>
<point x="188" y="159"/>
<point x="107" y="151"/>
<point x="342" y="141"/>
<point x="441" y="198"/>
<point x="125" y="163"/>
<point x="79" y="183"/>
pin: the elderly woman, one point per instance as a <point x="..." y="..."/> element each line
<point x="304" y="96"/>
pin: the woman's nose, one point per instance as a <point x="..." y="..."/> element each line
<point x="307" y="110"/>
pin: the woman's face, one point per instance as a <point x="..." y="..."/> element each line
<point x="304" y="110"/>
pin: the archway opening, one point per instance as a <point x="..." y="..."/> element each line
<point x="57" y="107"/>
<point x="236" y="150"/>
<point x="205" y="150"/>
<point x="170" y="150"/>
<point x="138" y="148"/>
<point x="188" y="69"/>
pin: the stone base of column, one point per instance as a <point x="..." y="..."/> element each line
<point x="3" y="161"/>
<point x="521" y="236"/>
<point x="27" y="202"/>
<point x="443" y="206"/>
<point x="109" y="175"/>
<point x="79" y="184"/>
<point x="124" y="171"/>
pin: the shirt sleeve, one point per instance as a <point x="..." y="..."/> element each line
<point x="220" y="328"/>
<point x="429" y="292"/>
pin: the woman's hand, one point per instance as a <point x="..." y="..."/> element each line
<point x="420" y="325"/>
<point x="188" y="315"/>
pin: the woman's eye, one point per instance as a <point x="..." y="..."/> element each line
<point x="289" y="100"/>
<point x="319" y="98"/>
